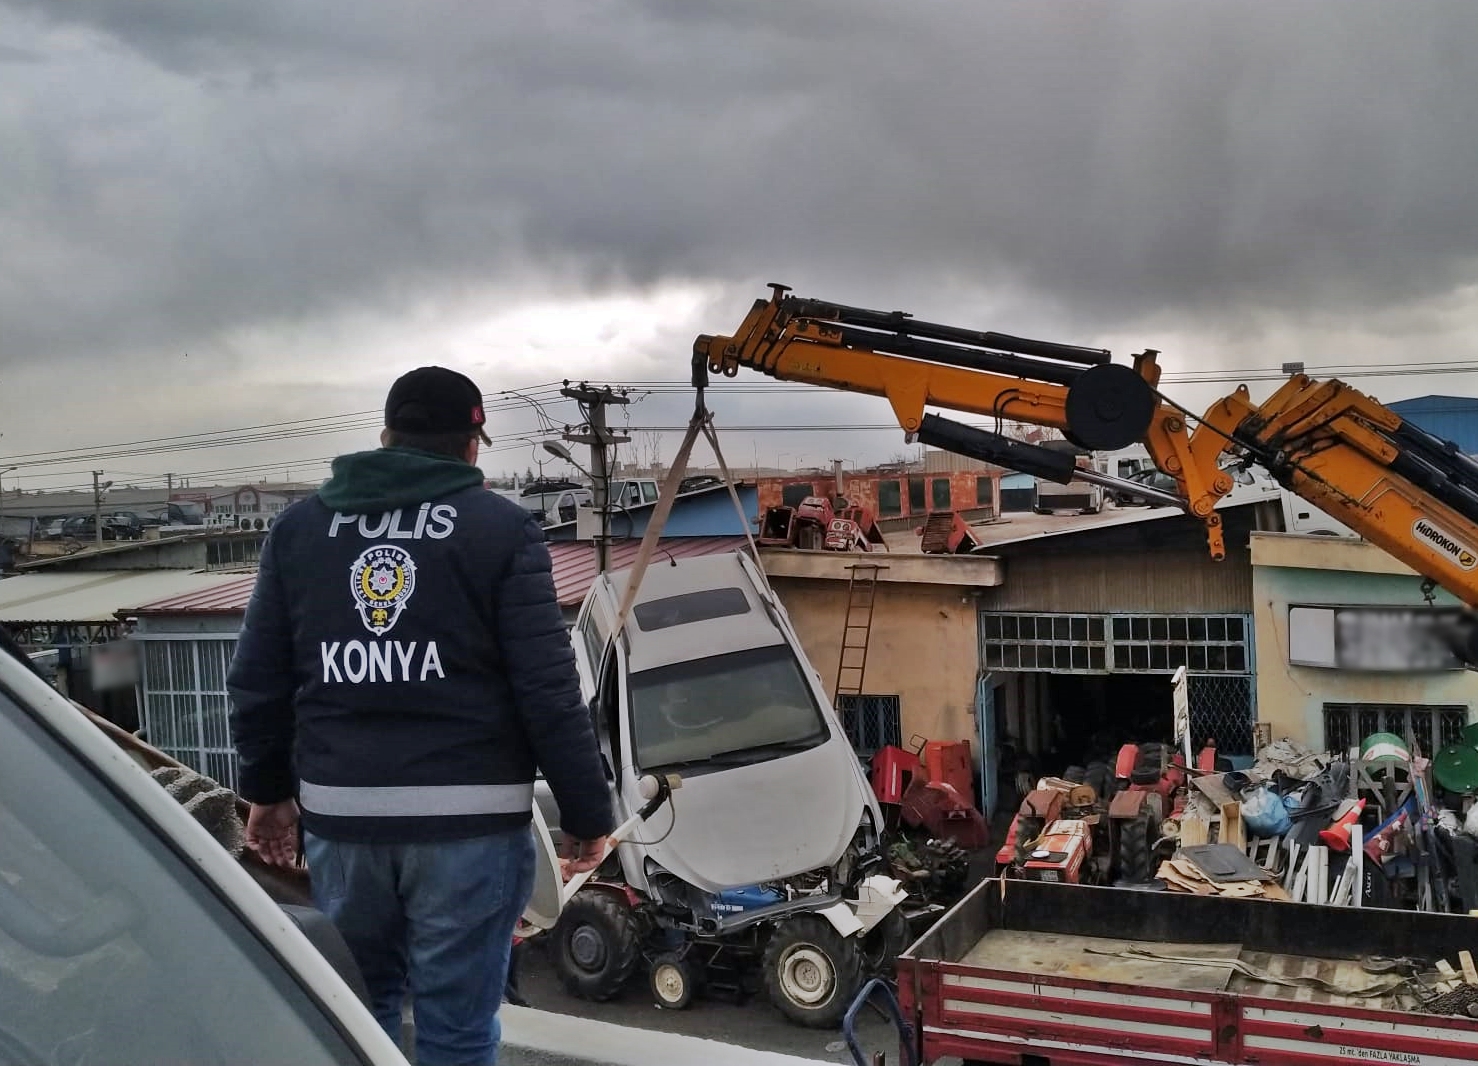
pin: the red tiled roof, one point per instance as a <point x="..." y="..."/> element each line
<point x="575" y="569"/>
<point x="574" y="572"/>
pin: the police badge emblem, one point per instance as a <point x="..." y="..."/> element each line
<point x="382" y="580"/>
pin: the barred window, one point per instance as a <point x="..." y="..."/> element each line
<point x="871" y="722"/>
<point x="1154" y="644"/>
<point x="185" y="711"/>
<point x="1430" y="728"/>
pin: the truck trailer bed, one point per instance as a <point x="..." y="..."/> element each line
<point x="1193" y="967"/>
<point x="1028" y="971"/>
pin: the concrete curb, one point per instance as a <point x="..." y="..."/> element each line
<point x="561" y="1037"/>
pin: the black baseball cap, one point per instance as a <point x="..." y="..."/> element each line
<point x="433" y="399"/>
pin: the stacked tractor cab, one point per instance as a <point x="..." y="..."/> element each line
<point x="821" y="524"/>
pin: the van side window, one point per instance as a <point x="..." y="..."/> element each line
<point x="609" y="695"/>
<point x="594" y="638"/>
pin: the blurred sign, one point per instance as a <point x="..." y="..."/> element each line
<point x="114" y="665"/>
<point x="1372" y="639"/>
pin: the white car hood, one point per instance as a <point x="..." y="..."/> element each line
<point x="746" y="824"/>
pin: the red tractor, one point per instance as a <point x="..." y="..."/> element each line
<point x="1122" y="810"/>
<point x="1149" y="786"/>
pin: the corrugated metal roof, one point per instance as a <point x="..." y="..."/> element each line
<point x="228" y="597"/>
<point x="94" y="596"/>
<point x="1453" y="418"/>
<point x="574" y="571"/>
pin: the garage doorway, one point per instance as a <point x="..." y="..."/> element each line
<point x="1076" y="686"/>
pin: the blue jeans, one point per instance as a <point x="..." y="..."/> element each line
<point x="434" y="918"/>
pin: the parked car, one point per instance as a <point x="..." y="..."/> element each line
<point x="84" y="527"/>
<point x="1150" y="479"/>
<point x="125" y="525"/>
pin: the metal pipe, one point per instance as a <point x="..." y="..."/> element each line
<point x="903" y="324"/>
<point x="993" y="362"/>
<point x="1108" y="481"/>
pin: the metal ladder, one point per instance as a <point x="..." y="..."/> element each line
<point x="856" y="630"/>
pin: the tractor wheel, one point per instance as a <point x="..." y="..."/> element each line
<point x="674" y="981"/>
<point x="1137" y="839"/>
<point x="1100" y="778"/>
<point x="812" y="972"/>
<point x="595" y="945"/>
<point x="887" y="940"/>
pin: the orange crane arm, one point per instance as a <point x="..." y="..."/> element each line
<point x="1399" y="487"/>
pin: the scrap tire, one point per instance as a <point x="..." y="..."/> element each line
<point x="812" y="972"/>
<point x="1100" y="778"/>
<point x="1136" y="847"/>
<point x="595" y="945"/>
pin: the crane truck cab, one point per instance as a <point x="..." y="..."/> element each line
<point x="772" y="846"/>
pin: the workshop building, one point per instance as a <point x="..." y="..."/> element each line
<point x="1347" y="646"/>
<point x="1054" y="643"/>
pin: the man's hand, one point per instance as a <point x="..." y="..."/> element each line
<point x="272" y="832"/>
<point x="582" y="855"/>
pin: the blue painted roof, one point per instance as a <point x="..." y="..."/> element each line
<point x="708" y="512"/>
<point x="1453" y="418"/>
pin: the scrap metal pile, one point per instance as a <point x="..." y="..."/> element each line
<point x="1374" y="827"/>
<point x="1380" y="826"/>
<point x="933" y="825"/>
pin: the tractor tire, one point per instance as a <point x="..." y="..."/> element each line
<point x="1100" y="778"/>
<point x="812" y="972"/>
<point x="595" y="945"/>
<point x="1136" y="847"/>
<point x="887" y="940"/>
<point x="675" y="981"/>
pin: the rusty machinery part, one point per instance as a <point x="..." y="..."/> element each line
<point x="1410" y="493"/>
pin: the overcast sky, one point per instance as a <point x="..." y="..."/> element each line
<point x="216" y="216"/>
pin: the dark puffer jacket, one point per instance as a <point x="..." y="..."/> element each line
<point x="404" y="666"/>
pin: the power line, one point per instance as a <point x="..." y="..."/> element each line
<point x="538" y="396"/>
<point x="267" y="433"/>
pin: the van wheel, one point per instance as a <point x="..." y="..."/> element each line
<point x="812" y="972"/>
<point x="595" y="945"/>
<point x="674" y="981"/>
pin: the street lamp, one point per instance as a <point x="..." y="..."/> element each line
<point x="600" y="490"/>
<point x="559" y="451"/>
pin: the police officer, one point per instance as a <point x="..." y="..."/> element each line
<point x="402" y="672"/>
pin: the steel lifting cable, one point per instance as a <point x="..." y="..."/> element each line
<point x="700" y="424"/>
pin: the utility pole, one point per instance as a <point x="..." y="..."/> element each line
<point x="98" y="489"/>
<point x="600" y="438"/>
<point x="7" y="470"/>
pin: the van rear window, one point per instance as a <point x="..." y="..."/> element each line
<point x="690" y="607"/>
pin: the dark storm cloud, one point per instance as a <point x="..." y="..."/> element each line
<point x="175" y="169"/>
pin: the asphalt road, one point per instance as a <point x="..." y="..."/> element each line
<point x="753" y="1024"/>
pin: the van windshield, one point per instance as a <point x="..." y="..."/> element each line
<point x="734" y="709"/>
